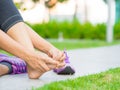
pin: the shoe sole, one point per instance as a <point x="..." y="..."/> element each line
<point x="67" y="71"/>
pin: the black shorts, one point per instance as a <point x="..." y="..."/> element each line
<point x="9" y="15"/>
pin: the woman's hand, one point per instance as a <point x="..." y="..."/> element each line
<point x="57" y="55"/>
<point x="40" y="61"/>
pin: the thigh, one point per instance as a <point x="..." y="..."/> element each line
<point x="9" y="15"/>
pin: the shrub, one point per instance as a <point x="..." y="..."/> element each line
<point x="74" y="30"/>
<point x="117" y="31"/>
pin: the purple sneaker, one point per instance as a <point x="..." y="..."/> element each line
<point x="18" y="65"/>
<point x="67" y="69"/>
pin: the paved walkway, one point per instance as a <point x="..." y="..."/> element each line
<point x="85" y="61"/>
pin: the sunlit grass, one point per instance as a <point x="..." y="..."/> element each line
<point x="109" y="80"/>
<point x="74" y="44"/>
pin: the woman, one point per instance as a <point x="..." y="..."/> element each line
<point x="20" y="40"/>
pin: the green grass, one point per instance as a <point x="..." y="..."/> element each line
<point x="74" y="44"/>
<point x="109" y="80"/>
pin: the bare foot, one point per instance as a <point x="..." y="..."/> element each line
<point x="35" y="74"/>
<point x="3" y="69"/>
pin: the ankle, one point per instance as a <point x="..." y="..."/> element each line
<point x="33" y="74"/>
<point x="3" y="69"/>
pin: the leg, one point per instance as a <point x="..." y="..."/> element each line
<point x="18" y="33"/>
<point x="7" y="20"/>
<point x="3" y="69"/>
<point x="9" y="17"/>
<point x="11" y="65"/>
<point x="52" y="51"/>
<point x="46" y="47"/>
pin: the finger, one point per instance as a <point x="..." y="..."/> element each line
<point x="51" y="61"/>
<point x="55" y="56"/>
<point x="50" y="55"/>
<point x="62" y="64"/>
<point x="41" y="69"/>
<point x="38" y="67"/>
<point x="44" y="67"/>
<point x="51" y="66"/>
<point x="63" y="57"/>
<point x="59" y="55"/>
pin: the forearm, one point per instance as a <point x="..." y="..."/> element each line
<point x="39" y="42"/>
<point x="11" y="46"/>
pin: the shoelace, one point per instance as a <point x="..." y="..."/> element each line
<point x="19" y="67"/>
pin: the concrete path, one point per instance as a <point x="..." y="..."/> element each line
<point x="85" y="61"/>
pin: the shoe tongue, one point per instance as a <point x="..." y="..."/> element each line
<point x="67" y="58"/>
